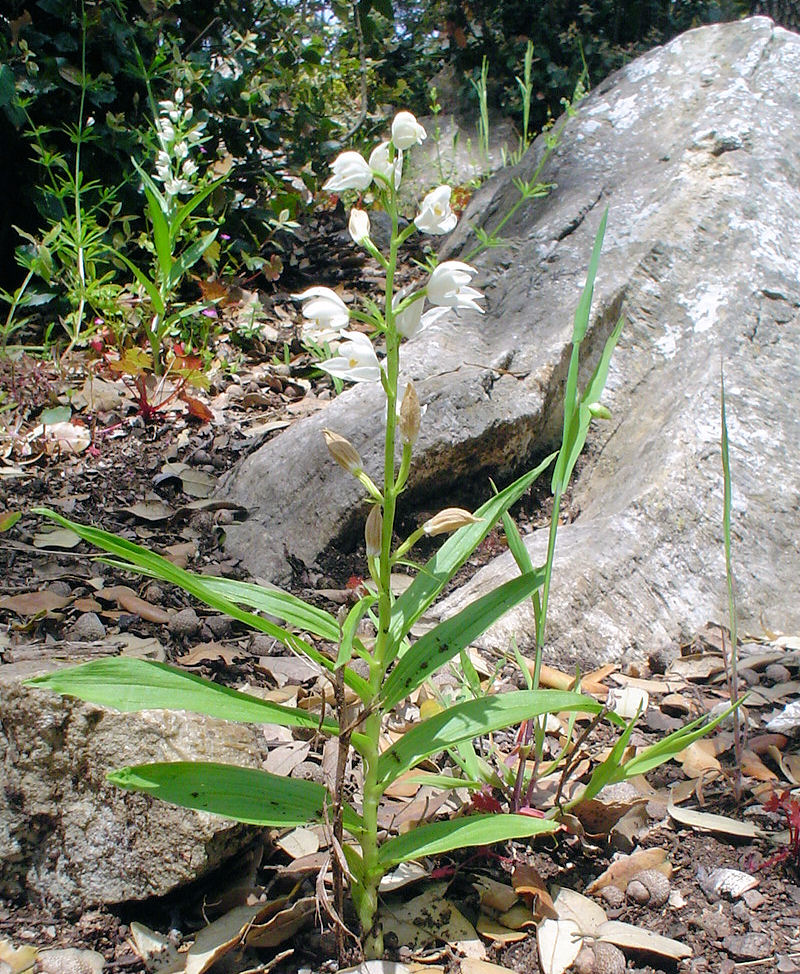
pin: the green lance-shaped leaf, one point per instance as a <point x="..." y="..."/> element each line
<point x="131" y="685"/>
<point x="161" y="237"/>
<point x="137" y="558"/>
<point x="437" y="572"/>
<point x="186" y="210"/>
<point x="463" y="721"/>
<point x="242" y="794"/>
<point x="350" y="628"/>
<point x="460" y="833"/>
<point x="293" y="611"/>
<point x="580" y="326"/>
<point x="442" y="643"/>
<point x="152" y="291"/>
<point x="190" y="257"/>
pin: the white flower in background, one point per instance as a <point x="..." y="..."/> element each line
<point x="448" y="286"/>
<point x="411" y="319"/>
<point x="406" y="131"/>
<point x="325" y="311"/>
<point x="350" y="171"/>
<point x="379" y="163"/>
<point x="176" y="137"/>
<point x="356" y="361"/>
<point x="358" y="227"/>
<point x="435" y="214"/>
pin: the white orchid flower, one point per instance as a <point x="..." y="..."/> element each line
<point x="380" y="164"/>
<point x="448" y="286"/>
<point x="358" y="227"/>
<point x="325" y="311"/>
<point x="435" y="214"/>
<point x="406" y="131"/>
<point x="411" y="320"/>
<point x="356" y="361"/>
<point x="350" y="171"/>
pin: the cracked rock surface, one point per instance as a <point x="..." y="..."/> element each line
<point x="692" y="149"/>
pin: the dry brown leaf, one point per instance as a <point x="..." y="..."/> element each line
<point x="699" y="759"/>
<point x="180" y="554"/>
<point x="129" y="601"/>
<point x="150" y="510"/>
<point x="519" y="917"/>
<point x="428" y="918"/>
<point x="754" y="767"/>
<point x="34" y="603"/>
<point x="19" y="959"/>
<point x="498" y="933"/>
<point x="284" y="759"/>
<point x="696" y="669"/>
<point x="299" y="842"/>
<point x="712" y="823"/>
<point x="221" y="936"/>
<point x="623" y="869"/>
<point x="637" y="938"/>
<point x="495" y="895"/>
<point x="530" y="887"/>
<point x="209" y="652"/>
<point x="598" y="817"/>
<point x="472" y="965"/>
<point x="285" y="924"/>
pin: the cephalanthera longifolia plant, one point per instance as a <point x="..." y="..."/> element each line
<point x="395" y="665"/>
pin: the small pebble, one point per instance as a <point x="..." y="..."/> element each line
<point x="184" y="623"/>
<point x="153" y="593"/>
<point x="716" y="925"/>
<point x="599" y="958"/>
<point x="612" y="896"/>
<point x="70" y="960"/>
<point x="649" y="888"/>
<point x="750" y="677"/>
<point x="87" y="628"/>
<point x="308" y="771"/>
<point x="60" y="588"/>
<point x="220" y="626"/>
<point x="742" y="912"/>
<point x="750" y="946"/>
<point x="777" y="673"/>
<point x="754" y="899"/>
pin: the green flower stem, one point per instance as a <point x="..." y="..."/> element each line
<point x="372" y="870"/>
<point x="405" y="467"/>
<point x="407" y="545"/>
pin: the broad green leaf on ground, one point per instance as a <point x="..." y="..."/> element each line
<point x="446" y="640"/>
<point x="242" y="794"/>
<point x="460" y="833"/>
<point x="438" y="571"/>
<point x="130" y="685"/>
<point x="473" y="718"/>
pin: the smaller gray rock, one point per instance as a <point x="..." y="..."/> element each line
<point x="220" y="626"/>
<point x="184" y="623"/>
<point x="649" y="888"/>
<point x="749" y="946"/>
<point x="87" y="628"/>
<point x="715" y="924"/>
<point x="60" y="588"/>
<point x="70" y="960"/>
<point x="613" y="896"/>
<point x="777" y="673"/>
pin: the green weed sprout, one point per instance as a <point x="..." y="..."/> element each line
<point x="396" y="666"/>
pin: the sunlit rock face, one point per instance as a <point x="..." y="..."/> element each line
<point x="693" y="150"/>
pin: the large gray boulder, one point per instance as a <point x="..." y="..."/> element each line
<point x="68" y="838"/>
<point x="692" y="148"/>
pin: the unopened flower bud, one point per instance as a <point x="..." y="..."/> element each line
<point x="450" y="519"/>
<point x="343" y="452"/>
<point x="373" y="530"/>
<point x="410" y="414"/>
<point x="599" y="411"/>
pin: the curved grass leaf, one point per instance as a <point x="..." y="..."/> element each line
<point x="131" y="685"/>
<point x="438" y="571"/>
<point x="139" y="559"/>
<point x="460" y="833"/>
<point x="293" y="611"/>
<point x="242" y="794"/>
<point x="446" y="640"/>
<point x="473" y="718"/>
